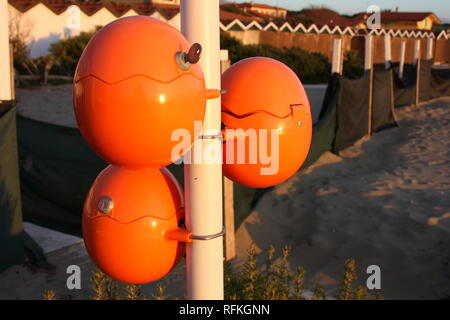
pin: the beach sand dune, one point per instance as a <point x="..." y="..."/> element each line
<point x="384" y="201"/>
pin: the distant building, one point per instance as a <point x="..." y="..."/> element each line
<point x="227" y="17"/>
<point x="39" y="23"/>
<point x="148" y="1"/>
<point x="325" y="16"/>
<point x="409" y="20"/>
<point x="43" y="22"/>
<point x="389" y="19"/>
<point x="404" y="20"/>
<point x="263" y="9"/>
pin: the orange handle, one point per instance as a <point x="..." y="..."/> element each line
<point x="180" y="235"/>
<point x="212" y="93"/>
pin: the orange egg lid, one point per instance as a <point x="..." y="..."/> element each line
<point x="135" y="46"/>
<point x="261" y="84"/>
<point x="135" y="194"/>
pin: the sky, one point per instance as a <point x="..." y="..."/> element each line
<point x="440" y="7"/>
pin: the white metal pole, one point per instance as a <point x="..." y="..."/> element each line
<point x="5" y="61"/>
<point x="337" y="57"/>
<point x="402" y="58"/>
<point x="203" y="181"/>
<point x="387" y="51"/>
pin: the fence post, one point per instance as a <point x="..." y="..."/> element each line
<point x="228" y="190"/>
<point x="417" y="62"/>
<point x="430" y="49"/>
<point x="416" y="51"/>
<point x="6" y="80"/>
<point x="12" y="79"/>
<point x="368" y="52"/>
<point x="368" y="67"/>
<point x="224" y="60"/>
<point x="387" y="51"/>
<point x="402" y="59"/>
<point x="336" y="66"/>
<point x="228" y="208"/>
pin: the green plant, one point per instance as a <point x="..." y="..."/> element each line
<point x="250" y="274"/>
<point x="346" y="292"/>
<point x="310" y="67"/>
<point x="100" y="282"/>
<point x="353" y="66"/>
<point x="360" y="293"/>
<point x="106" y="288"/>
<point x="268" y="283"/>
<point x="299" y="280"/>
<point x="296" y="17"/>
<point x="271" y="281"/>
<point x="319" y="293"/>
<point x="232" y="284"/>
<point x="21" y="55"/>
<point x="275" y="281"/>
<point x="160" y="293"/>
<point x="49" y="295"/>
<point x="67" y="52"/>
<point x="19" y="32"/>
<point x="133" y="292"/>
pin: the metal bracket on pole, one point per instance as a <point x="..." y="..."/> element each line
<point x="211" y="136"/>
<point x="209" y="237"/>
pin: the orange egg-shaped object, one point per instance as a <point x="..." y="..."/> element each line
<point x="267" y="120"/>
<point x="130" y="223"/>
<point x="130" y="93"/>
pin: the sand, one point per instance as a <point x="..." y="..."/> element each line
<point x="51" y="104"/>
<point x="384" y="201"/>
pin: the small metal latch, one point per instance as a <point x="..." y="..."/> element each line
<point x="185" y="60"/>
<point x="211" y="136"/>
<point x="105" y="205"/>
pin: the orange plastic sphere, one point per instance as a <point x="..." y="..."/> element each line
<point x="130" y="94"/>
<point x="265" y="97"/>
<point x="127" y="217"/>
